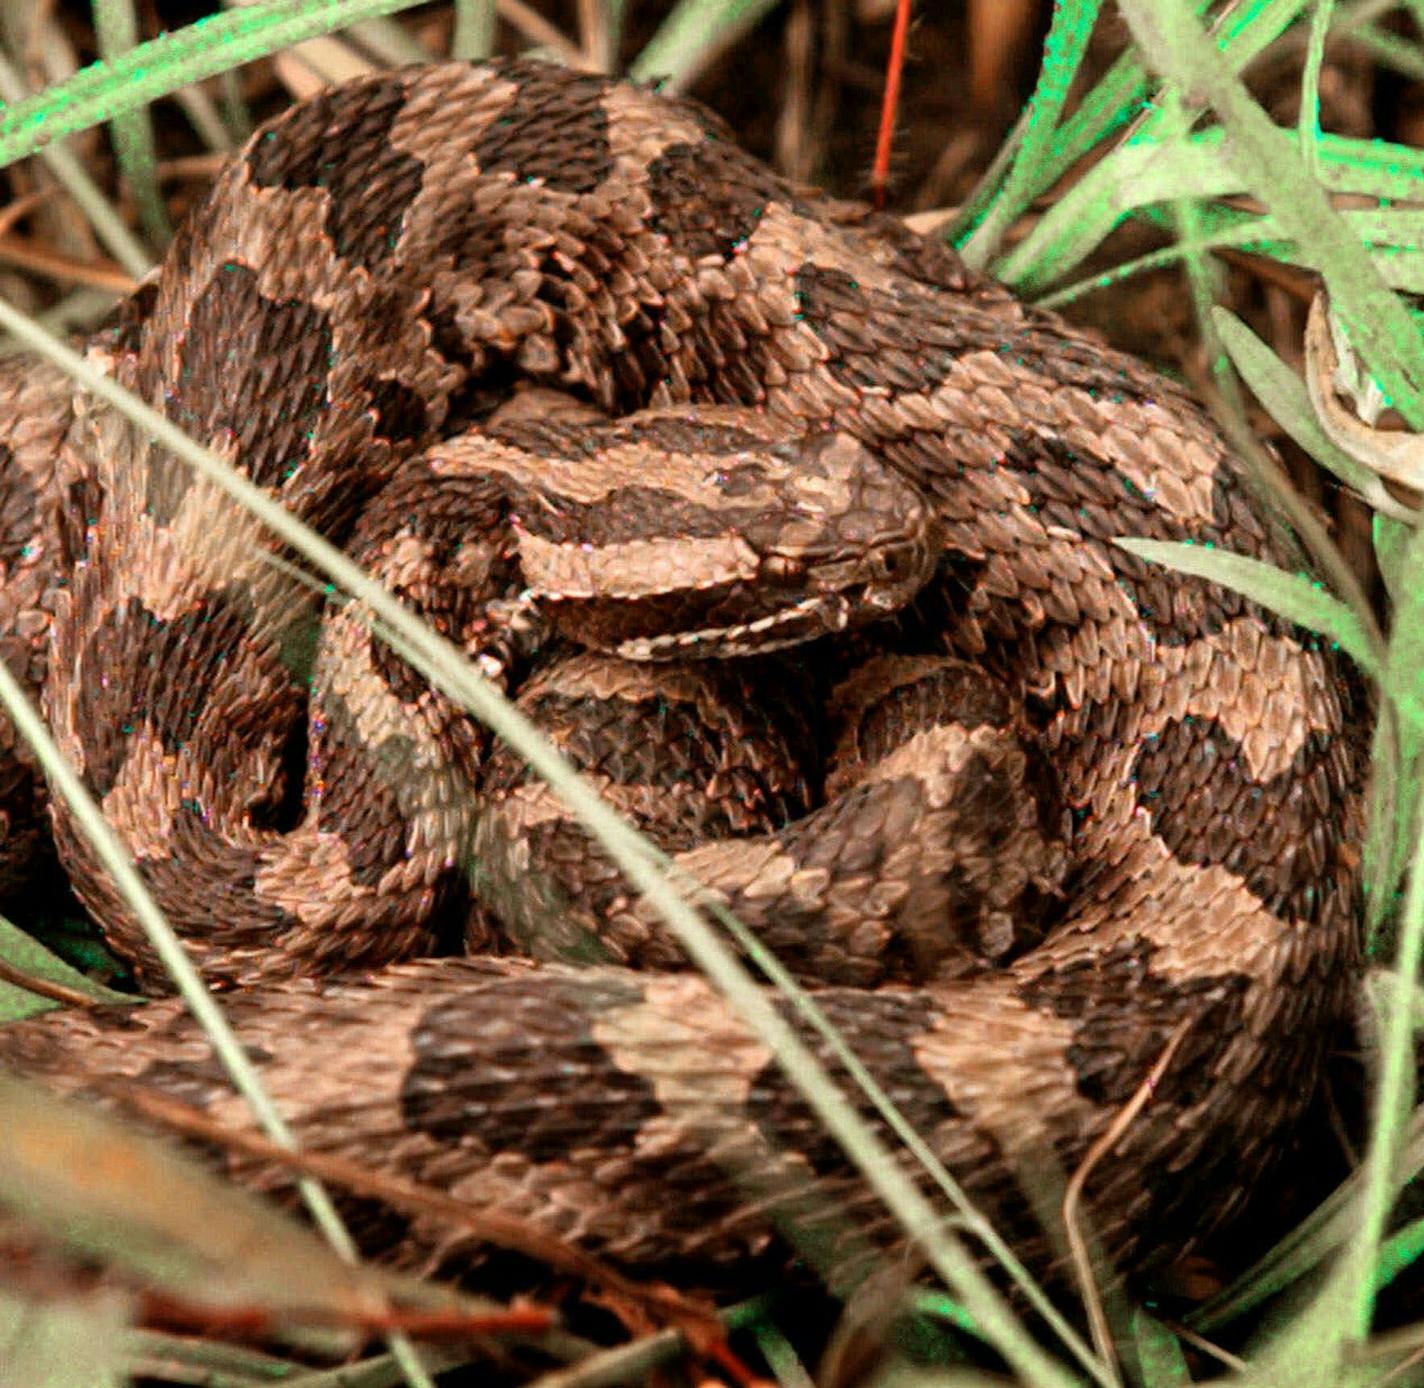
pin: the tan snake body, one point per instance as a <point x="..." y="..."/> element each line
<point x="1071" y="803"/>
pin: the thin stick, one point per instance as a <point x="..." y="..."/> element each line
<point x="1231" y="1361"/>
<point x="45" y="987"/>
<point x="504" y="1231"/>
<point x="1073" y="1195"/>
<point x="99" y="274"/>
<point x="889" y="107"/>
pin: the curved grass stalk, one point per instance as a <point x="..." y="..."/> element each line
<point x="160" y="66"/>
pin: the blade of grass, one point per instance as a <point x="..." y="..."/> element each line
<point x="1308" y="123"/>
<point x="25" y="953"/>
<point x="1133" y="179"/>
<point x="116" y="28"/>
<point x="1244" y="29"/>
<point x="474" y="30"/>
<point x="1320" y="1342"/>
<point x="160" y="66"/>
<point x="1305" y="1247"/>
<point x="1287" y="401"/>
<point x="1273" y="169"/>
<point x="1395" y="1082"/>
<point x="115" y="237"/>
<point x="1390" y="50"/>
<point x="1201" y="278"/>
<point x="1297" y="597"/>
<point x="694" y="33"/>
<point x="1063" y="50"/>
<point x="1395" y="239"/>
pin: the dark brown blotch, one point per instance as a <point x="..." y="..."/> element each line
<point x="912" y="336"/>
<point x="954" y="693"/>
<point x="80" y="513"/>
<point x="358" y="796"/>
<point x="674" y="435"/>
<point x="140" y="670"/>
<point x="207" y="886"/>
<point x="631" y="513"/>
<point x="121" y="329"/>
<point x="757" y="760"/>
<point x="538" y="1083"/>
<point x="1091" y="496"/>
<point x="253" y="370"/>
<point x="1124" y="1014"/>
<point x="446" y="513"/>
<point x="1277" y="834"/>
<point x="554" y="129"/>
<point x="398" y="412"/>
<point x="697" y="225"/>
<point x="670" y="618"/>
<point x="197" y="1082"/>
<point x="340" y="141"/>
<point x="886" y="1027"/>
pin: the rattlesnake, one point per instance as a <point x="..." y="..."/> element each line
<point x="1050" y="812"/>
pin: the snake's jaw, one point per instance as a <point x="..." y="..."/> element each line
<point x="823" y="614"/>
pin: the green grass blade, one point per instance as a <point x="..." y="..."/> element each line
<point x="693" y="33"/>
<point x="1274" y="171"/>
<point x="1391" y="51"/>
<point x="1404" y="684"/>
<point x="113" y="234"/>
<point x="116" y="27"/>
<point x="1245" y="29"/>
<point x="1286" y="399"/>
<point x="1296" y="597"/>
<point x="22" y="951"/>
<point x="160" y="66"/>
<point x="475" y="25"/>
<point x="1063" y="51"/>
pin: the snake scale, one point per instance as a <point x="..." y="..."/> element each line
<point x="797" y="536"/>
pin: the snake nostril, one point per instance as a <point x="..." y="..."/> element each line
<point x="894" y="565"/>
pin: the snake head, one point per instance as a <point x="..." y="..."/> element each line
<point x="744" y="540"/>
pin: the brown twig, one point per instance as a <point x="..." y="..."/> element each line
<point x="45" y="987"/>
<point x="1222" y="1356"/>
<point x="1073" y="1194"/>
<point x="697" y="1321"/>
<point x="100" y="274"/>
<point x="23" y="206"/>
<point x="163" y="1310"/>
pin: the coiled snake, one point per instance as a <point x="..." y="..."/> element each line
<point x="809" y="563"/>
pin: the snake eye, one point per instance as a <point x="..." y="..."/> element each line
<point x="782" y="566"/>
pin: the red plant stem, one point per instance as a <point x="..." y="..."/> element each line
<point x="880" y="173"/>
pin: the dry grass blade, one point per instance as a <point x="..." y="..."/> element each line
<point x="45" y="987"/>
<point x="80" y="1179"/>
<point x="1073" y="1195"/>
<point x="487" y="1225"/>
<point x="25" y="254"/>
